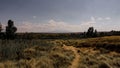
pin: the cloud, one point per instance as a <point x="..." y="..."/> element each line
<point x="50" y="26"/>
<point x="61" y="26"/>
<point x="107" y="18"/>
<point x="54" y="26"/>
<point x="34" y="17"/>
<point x="99" y="18"/>
<point x="103" y="19"/>
<point x="93" y="18"/>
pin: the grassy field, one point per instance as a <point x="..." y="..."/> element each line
<point x="101" y="52"/>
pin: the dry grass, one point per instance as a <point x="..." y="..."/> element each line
<point x="40" y="57"/>
<point x="102" y="52"/>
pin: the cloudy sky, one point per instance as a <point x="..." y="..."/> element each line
<point x="61" y="15"/>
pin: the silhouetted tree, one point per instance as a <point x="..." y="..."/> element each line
<point x="10" y="30"/>
<point x="84" y="34"/>
<point x="0" y="30"/>
<point x="0" y="27"/>
<point x="90" y="32"/>
<point x="95" y="33"/>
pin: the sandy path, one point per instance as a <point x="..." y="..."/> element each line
<point x="76" y="60"/>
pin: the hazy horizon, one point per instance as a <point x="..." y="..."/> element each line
<point x="61" y="15"/>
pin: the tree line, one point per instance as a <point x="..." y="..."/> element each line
<point x="10" y="33"/>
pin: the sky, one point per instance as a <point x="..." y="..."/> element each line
<point x="61" y="15"/>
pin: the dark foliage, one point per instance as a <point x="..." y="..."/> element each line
<point x="91" y="32"/>
<point x="10" y="30"/>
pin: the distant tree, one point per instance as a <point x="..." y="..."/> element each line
<point x="113" y="32"/>
<point x="10" y="30"/>
<point x="1" y="34"/>
<point x="95" y="33"/>
<point x="84" y="34"/>
<point x="0" y="27"/>
<point x="90" y="32"/>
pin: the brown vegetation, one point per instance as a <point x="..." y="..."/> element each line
<point x="101" y="52"/>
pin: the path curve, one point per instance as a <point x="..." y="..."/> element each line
<point x="75" y="62"/>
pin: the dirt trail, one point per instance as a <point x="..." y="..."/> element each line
<point x="76" y="60"/>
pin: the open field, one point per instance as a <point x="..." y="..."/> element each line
<point x="101" y="52"/>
